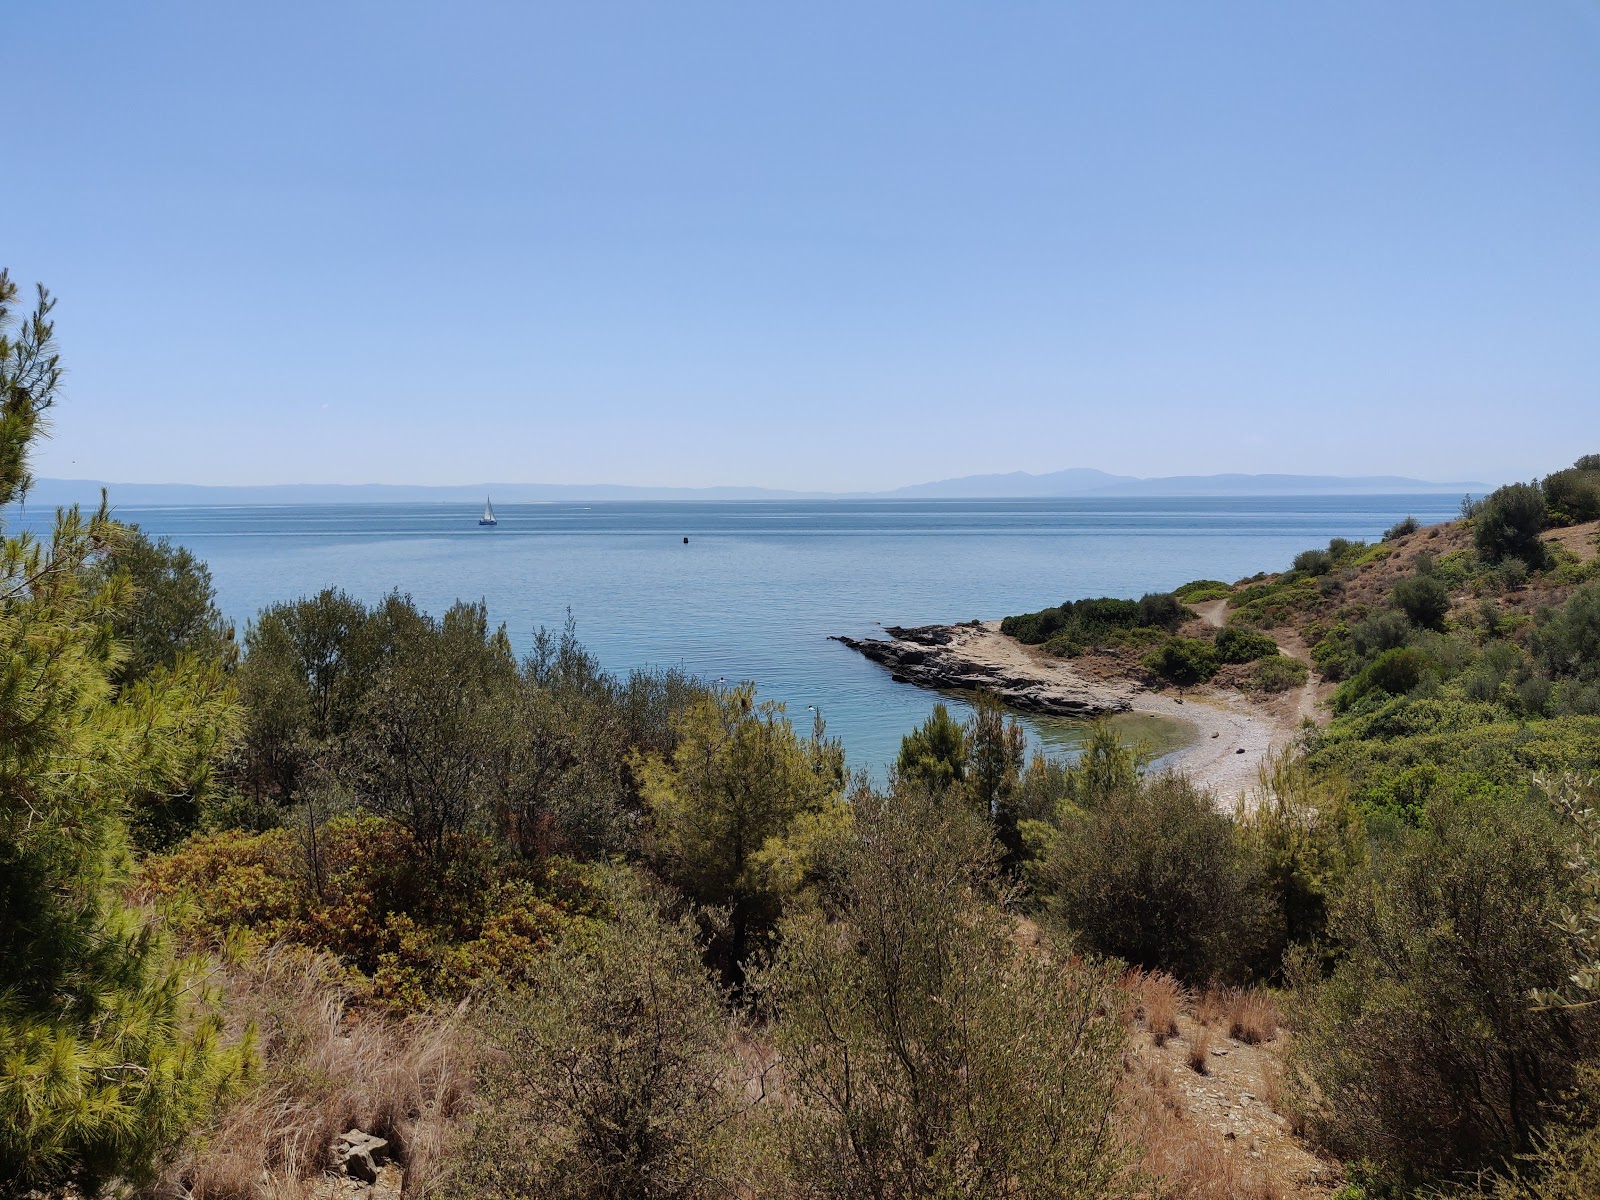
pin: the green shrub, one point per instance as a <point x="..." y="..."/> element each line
<point x="1154" y="874"/>
<point x="1266" y="605"/>
<point x="1423" y="599"/>
<point x="1404" y="752"/>
<point x="608" y="1072"/>
<point x="1573" y="495"/>
<point x="1184" y="661"/>
<point x="1509" y="522"/>
<point x="1200" y="590"/>
<point x="1079" y="620"/>
<point x="1344" y="552"/>
<point x="1384" y="630"/>
<point x="1278" y="673"/>
<point x="1334" y="653"/>
<point x="352" y="889"/>
<point x="1308" y="840"/>
<point x="1069" y="628"/>
<point x="1394" y="672"/>
<point x="1569" y="640"/>
<point x="1063" y="645"/>
<point x="1162" y="610"/>
<point x="1401" y="529"/>
<point x="1235" y="645"/>
<point x="1421" y="1052"/>
<point x="924" y="1051"/>
<point x="1313" y="562"/>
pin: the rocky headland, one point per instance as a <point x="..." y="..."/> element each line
<point x="976" y="658"/>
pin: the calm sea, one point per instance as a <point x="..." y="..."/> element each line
<point x="759" y="587"/>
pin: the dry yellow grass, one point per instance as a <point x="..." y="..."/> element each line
<point x="1159" y="998"/>
<point x="1185" y="1160"/>
<point x="1248" y="1015"/>
<point x="323" y="1070"/>
<point x="1199" y="1054"/>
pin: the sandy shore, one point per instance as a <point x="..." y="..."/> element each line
<point x="1233" y="733"/>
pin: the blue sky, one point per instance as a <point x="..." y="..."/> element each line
<point x="810" y="245"/>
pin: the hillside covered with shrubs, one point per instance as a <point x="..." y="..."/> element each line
<point x="359" y="903"/>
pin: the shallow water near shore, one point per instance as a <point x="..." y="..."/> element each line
<point x="760" y="586"/>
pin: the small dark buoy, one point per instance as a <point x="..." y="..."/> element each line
<point x="685" y="541"/>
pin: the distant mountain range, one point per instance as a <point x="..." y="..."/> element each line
<point x="1075" y="481"/>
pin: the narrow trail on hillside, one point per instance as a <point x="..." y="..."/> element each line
<point x="1212" y="612"/>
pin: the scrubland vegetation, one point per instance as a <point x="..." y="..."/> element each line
<point x="551" y="932"/>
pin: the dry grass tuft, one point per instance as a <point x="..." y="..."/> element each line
<point x="1199" y="1054"/>
<point x="1159" y="999"/>
<point x="1183" y="1159"/>
<point x="1248" y="1015"/>
<point x="323" y="1070"/>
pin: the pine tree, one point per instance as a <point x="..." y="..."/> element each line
<point x="109" y="1050"/>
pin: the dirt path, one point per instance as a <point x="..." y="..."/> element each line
<point x="1230" y="1108"/>
<point x="1212" y="612"/>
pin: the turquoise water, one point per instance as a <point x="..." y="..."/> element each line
<point x="760" y="586"/>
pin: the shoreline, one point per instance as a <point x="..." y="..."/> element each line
<point x="1233" y="733"/>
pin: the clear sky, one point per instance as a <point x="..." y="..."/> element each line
<point x="811" y="245"/>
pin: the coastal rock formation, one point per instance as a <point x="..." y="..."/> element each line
<point x="964" y="658"/>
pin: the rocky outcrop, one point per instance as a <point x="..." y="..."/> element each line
<point x="361" y="1154"/>
<point x="962" y="658"/>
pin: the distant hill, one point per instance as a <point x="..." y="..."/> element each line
<point x="1279" y="485"/>
<point x="1075" y="481"/>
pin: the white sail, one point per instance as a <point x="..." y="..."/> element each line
<point x="488" y="517"/>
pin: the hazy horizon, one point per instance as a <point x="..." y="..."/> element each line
<point x="823" y="248"/>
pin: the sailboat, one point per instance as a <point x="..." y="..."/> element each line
<point x="488" y="517"/>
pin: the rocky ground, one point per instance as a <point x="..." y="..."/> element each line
<point x="1228" y="1111"/>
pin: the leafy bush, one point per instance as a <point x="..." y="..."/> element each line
<point x="1200" y="590"/>
<point x="1573" y="495"/>
<point x="1423" y="599"/>
<point x="926" y="1053"/>
<point x="1401" y="529"/>
<point x="1421" y="1052"/>
<point x="1184" y="660"/>
<point x="1387" y="629"/>
<point x="609" y="1072"/>
<point x="735" y="810"/>
<point x="1078" y="623"/>
<point x="1278" y="673"/>
<point x="1508" y="524"/>
<point x="1334" y="653"/>
<point x="1235" y="645"/>
<point x="1153" y="874"/>
<point x="1313" y="562"/>
<point x="1267" y="604"/>
<point x="1162" y="610"/>
<point x="1308" y="840"/>
<point x="1394" y="672"/>
<point x="1569" y="640"/>
<point x="349" y="887"/>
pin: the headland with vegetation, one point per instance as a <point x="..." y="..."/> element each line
<point x="360" y="904"/>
